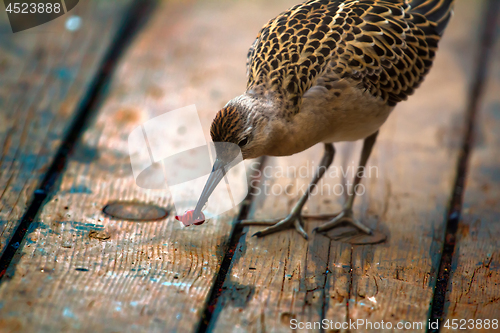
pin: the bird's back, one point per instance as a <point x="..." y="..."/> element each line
<point x="383" y="47"/>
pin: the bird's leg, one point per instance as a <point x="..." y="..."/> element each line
<point x="294" y="219"/>
<point x="346" y="215"/>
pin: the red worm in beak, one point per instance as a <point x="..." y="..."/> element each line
<point x="188" y="218"/>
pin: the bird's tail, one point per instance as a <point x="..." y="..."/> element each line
<point x="437" y="11"/>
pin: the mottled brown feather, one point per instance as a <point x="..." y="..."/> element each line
<point x="385" y="47"/>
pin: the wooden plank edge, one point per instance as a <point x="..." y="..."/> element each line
<point x="135" y="16"/>
<point x="491" y="12"/>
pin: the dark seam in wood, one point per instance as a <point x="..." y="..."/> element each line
<point x="29" y="110"/>
<point x="284" y="273"/>
<point x="376" y="285"/>
<point x="472" y="279"/>
<point x="137" y="13"/>
<point x="475" y="312"/>
<point x="351" y="277"/>
<point x="455" y="206"/>
<point x="327" y="271"/>
<point x="477" y="269"/>
<point x="208" y="314"/>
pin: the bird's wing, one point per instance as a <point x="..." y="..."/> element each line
<point x="383" y="46"/>
<point x="250" y="55"/>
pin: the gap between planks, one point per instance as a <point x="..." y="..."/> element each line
<point x="354" y="257"/>
<point x="488" y="34"/>
<point x="136" y="15"/>
<point x="208" y="313"/>
<point x="182" y="72"/>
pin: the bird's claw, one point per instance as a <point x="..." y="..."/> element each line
<point x="344" y="217"/>
<point x="291" y="221"/>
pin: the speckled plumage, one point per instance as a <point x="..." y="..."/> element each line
<point x="343" y="55"/>
<point x="385" y="46"/>
<point x="328" y="71"/>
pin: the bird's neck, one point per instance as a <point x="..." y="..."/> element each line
<point x="290" y="136"/>
<point x="284" y="133"/>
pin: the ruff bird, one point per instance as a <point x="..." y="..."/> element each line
<point x="327" y="71"/>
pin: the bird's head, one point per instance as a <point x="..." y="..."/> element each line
<point x="242" y="125"/>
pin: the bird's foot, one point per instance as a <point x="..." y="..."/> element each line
<point x="344" y="217"/>
<point x="294" y="220"/>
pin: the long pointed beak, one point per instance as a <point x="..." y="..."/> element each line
<point x="218" y="172"/>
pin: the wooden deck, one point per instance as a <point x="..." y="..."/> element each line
<point x="69" y="100"/>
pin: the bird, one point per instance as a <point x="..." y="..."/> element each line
<point x="322" y="72"/>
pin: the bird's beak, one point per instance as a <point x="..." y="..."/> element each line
<point x="218" y="172"/>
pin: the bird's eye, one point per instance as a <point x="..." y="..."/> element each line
<point x="243" y="142"/>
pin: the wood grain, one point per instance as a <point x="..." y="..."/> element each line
<point x="79" y="270"/>
<point x="417" y="157"/>
<point x="474" y="293"/>
<point x="44" y="73"/>
<point x="282" y="277"/>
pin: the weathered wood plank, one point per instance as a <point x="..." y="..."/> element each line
<point x="44" y="73"/>
<point x="82" y="271"/>
<point x="281" y="276"/>
<point x="473" y="292"/>
<point x="417" y="181"/>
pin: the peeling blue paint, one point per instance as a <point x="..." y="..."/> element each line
<point x="67" y="313"/>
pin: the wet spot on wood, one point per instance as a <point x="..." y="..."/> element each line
<point x="134" y="211"/>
